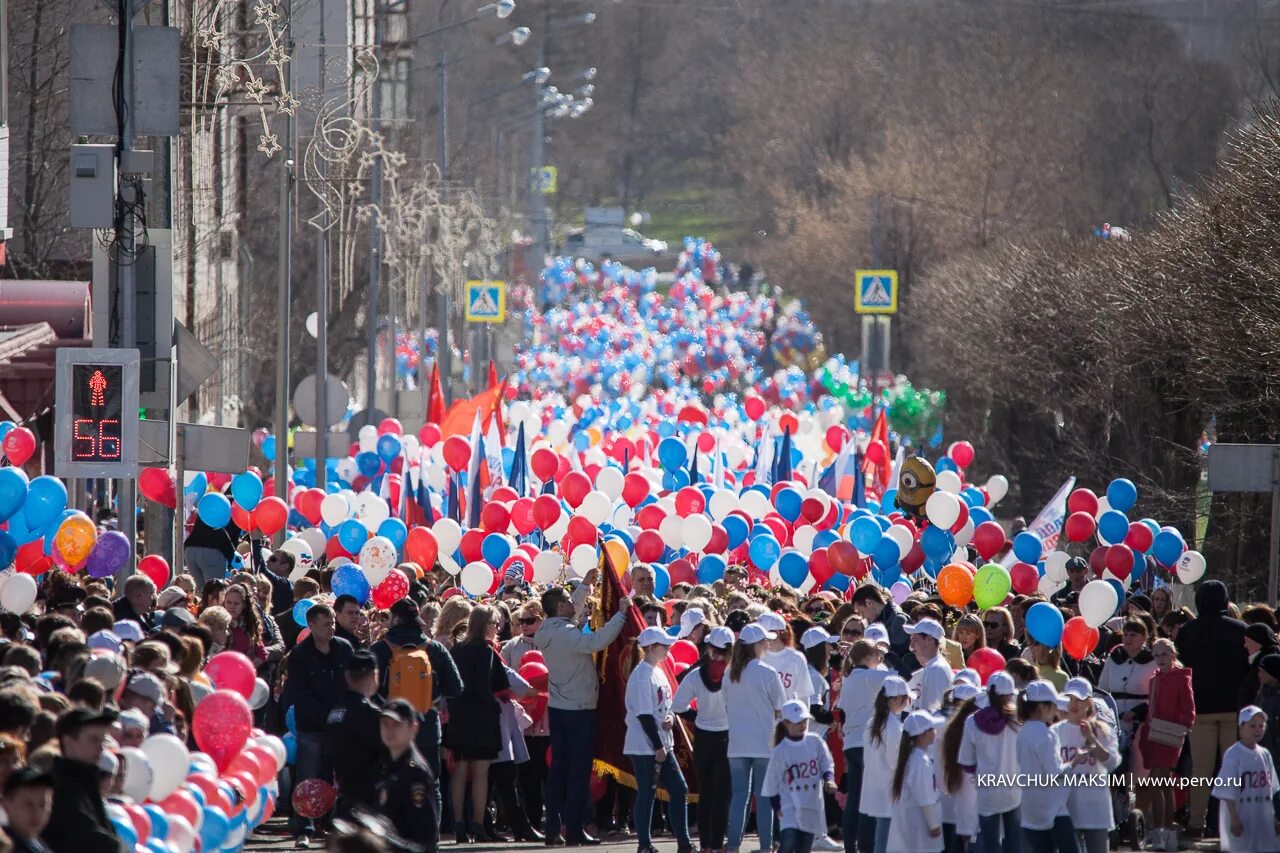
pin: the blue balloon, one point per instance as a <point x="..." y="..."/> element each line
<point x="1167" y="548"/>
<point x="8" y="549"/>
<point x="125" y="832"/>
<point x="395" y="530"/>
<point x="269" y="448"/>
<point x="1122" y="494"/>
<point x="368" y="464"/>
<point x="1044" y="623"/>
<point x="6" y="427"/>
<point x="495" y="548"/>
<point x="887" y="577"/>
<point x="198" y="486"/>
<point x="865" y="534"/>
<point x="159" y="822"/>
<point x="1028" y="547"/>
<point x="887" y="555"/>
<point x="837" y="582"/>
<point x="214" y="829"/>
<point x="1119" y="588"/>
<point x="973" y="497"/>
<point x="300" y="616"/>
<point x="290" y="716"/>
<point x="945" y="463"/>
<point x="788" y="504"/>
<point x="388" y="447"/>
<point x="711" y="568"/>
<point x="349" y="579"/>
<point x="736" y="528"/>
<point x="46" y="498"/>
<point x="247" y="489"/>
<point x="13" y="491"/>
<point x="214" y="510"/>
<point x="883" y="521"/>
<point x="937" y="543"/>
<point x="889" y="496"/>
<point x="290" y="741"/>
<point x="764" y="552"/>
<point x="793" y="568"/>
<point x="661" y="580"/>
<point x="352" y="535"/>
<point x="980" y="515"/>
<point x="672" y="454"/>
<point x="1113" y="526"/>
<point x="824" y="539"/>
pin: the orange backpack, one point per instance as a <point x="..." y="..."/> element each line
<point x="409" y="677"/>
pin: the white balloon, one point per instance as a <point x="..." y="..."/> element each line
<point x="347" y="469"/>
<point x="965" y="536"/>
<point x="272" y="744"/>
<point x="205" y="763"/>
<point x="437" y="478"/>
<point x="901" y="537"/>
<point x="547" y="567"/>
<point x="18" y="593"/>
<point x="557" y="531"/>
<point x="368" y="438"/>
<point x="446" y="562"/>
<point x="477" y="577"/>
<point x="595" y="507"/>
<point x="755" y="504"/>
<point x="949" y="481"/>
<point x="672" y="531"/>
<point x="1104" y="505"/>
<point x="942" y="509"/>
<point x="372" y="510"/>
<point x="1191" y="566"/>
<point x="807" y="584"/>
<point x="303" y="558"/>
<point x="448" y="535"/>
<point x="338" y="561"/>
<point x="723" y="502"/>
<point x="377" y="558"/>
<point x="997" y="488"/>
<point x="181" y="837"/>
<point x="315" y="539"/>
<point x="518" y="411"/>
<point x="334" y="509"/>
<point x="411" y="446"/>
<point x="1098" y="602"/>
<point x="1055" y="566"/>
<point x="169" y="759"/>
<point x="261" y="693"/>
<point x="138" y="774"/>
<point x="622" y="516"/>
<point x="1048" y="586"/>
<point x="583" y="559"/>
<point x="695" y="531"/>
<point x="803" y="538"/>
<point x="610" y="481"/>
<point x="313" y="324"/>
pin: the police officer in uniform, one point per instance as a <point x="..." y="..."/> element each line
<point x="352" y="730"/>
<point x="405" y="783"/>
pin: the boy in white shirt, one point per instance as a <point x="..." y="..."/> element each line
<point x="800" y="773"/>
<point x="932" y="681"/>
<point x="793" y="669"/>
<point x="1247" y="788"/>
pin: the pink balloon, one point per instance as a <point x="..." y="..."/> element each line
<point x="231" y="671"/>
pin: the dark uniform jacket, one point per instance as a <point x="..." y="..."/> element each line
<point x="316" y="681"/>
<point x="355" y="742"/>
<point x="405" y="794"/>
<point x="79" y="820"/>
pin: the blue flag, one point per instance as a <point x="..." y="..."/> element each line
<point x="784" y="459"/>
<point x="519" y="479"/>
<point x="423" y="497"/>
<point x="455" y="512"/>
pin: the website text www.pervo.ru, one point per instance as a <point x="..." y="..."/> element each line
<point x="1103" y="780"/>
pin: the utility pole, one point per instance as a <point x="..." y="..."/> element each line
<point x="127" y="201"/>
<point x="538" y="154"/>
<point x="283" y="287"/>
<point x="444" y="354"/>
<point x="375" y="244"/>
<point x="322" y="304"/>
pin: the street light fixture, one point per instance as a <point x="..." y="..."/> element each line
<point x="585" y="91"/>
<point x="505" y="8"/>
<point x="586" y="74"/>
<point x="537" y="75"/>
<point x="517" y="37"/>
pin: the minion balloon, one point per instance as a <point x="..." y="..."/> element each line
<point x="916" y="483"/>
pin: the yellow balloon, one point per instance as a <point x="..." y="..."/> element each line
<point x="617" y="554"/>
<point x="594" y="435"/>
<point x="75" y="538"/>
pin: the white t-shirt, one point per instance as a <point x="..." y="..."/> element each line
<point x="1089" y="801"/>
<point x="959" y="808"/>
<point x="712" y="715"/>
<point x="648" y="692"/>
<point x="752" y="704"/>
<point x="908" y="827"/>
<point x="879" y="760"/>
<point x="1249" y="777"/>
<point x="797" y="770"/>
<point x="793" y="672"/>
<point x="821" y="696"/>
<point x="857" y="700"/>
<point x="932" y="681"/>
<point x="992" y="754"/>
<point x="1045" y="796"/>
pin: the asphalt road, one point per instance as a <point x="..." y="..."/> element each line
<point x="275" y="836"/>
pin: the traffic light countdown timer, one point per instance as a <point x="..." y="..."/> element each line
<point x="97" y="413"/>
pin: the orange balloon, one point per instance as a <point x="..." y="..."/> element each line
<point x="955" y="585"/>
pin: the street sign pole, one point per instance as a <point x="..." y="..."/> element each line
<point x="1273" y="562"/>
<point x="1252" y="468"/>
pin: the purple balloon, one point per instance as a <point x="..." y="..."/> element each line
<point x="109" y="553"/>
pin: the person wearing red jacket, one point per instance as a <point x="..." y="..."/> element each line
<point x="1172" y="701"/>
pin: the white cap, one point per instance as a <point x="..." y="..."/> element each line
<point x="754" y="633"/>
<point x="134" y="719"/>
<point x="690" y="619"/>
<point x="876" y="633"/>
<point x="1248" y="712"/>
<point x="106" y="640"/>
<point x="968" y="676"/>
<point x="720" y="637"/>
<point x="795" y="711"/>
<point x="1080" y="688"/>
<point x="816" y="637"/>
<point x="127" y="629"/>
<point x="1041" y="691"/>
<point x="1064" y="702"/>
<point x="108" y="764"/>
<point x="106" y="667"/>
<point x="928" y="627"/>
<point x="170" y="597"/>
<point x="894" y="686"/>
<point x="1003" y="684"/>
<point x="772" y="622"/>
<point x="964" y="691"/>
<point x="654" y="636"/>
<point x="919" y="722"/>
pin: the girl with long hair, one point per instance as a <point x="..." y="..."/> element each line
<point x="916" y="824"/>
<point x="752" y="697"/>
<point x="957" y="789"/>
<point x="1045" y="823"/>
<point x="704" y="684"/>
<point x="970" y="634"/>
<point x="649" y="742"/>
<point x="1083" y="732"/>
<point x="1171" y="714"/>
<point x="880" y="750"/>
<point x="858" y="691"/>
<point x="800" y="772"/>
<point x="245" y="635"/>
<point x="989" y="746"/>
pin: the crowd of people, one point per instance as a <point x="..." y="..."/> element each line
<point x="818" y="722"/>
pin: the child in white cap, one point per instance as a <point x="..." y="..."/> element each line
<point x="800" y="773"/>
<point x="1084" y="732"/>
<point x="989" y="748"/>
<point x="880" y="754"/>
<point x="957" y="789"/>
<point x="703" y="684"/>
<point x="1046" y="822"/>
<point x="858" y="692"/>
<point x="1247" y="784"/>
<point x="753" y="697"/>
<point x="793" y="669"/>
<point x="916" y="824"/>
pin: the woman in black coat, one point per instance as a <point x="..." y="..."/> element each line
<point x="474" y="735"/>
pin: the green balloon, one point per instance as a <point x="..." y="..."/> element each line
<point x="991" y="586"/>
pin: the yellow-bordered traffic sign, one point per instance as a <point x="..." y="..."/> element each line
<point x="486" y="301"/>
<point x="876" y="292"/>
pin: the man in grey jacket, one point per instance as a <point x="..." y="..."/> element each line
<point x="573" y="689"/>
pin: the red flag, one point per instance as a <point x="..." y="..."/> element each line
<point x="497" y="411"/>
<point x="435" y="397"/>
<point x="879" y="432"/>
<point x="462" y="414"/>
<point x="614" y="666"/>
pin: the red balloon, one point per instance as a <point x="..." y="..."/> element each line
<point x="682" y="571"/>
<point x="582" y="530"/>
<point x="333" y="549"/>
<point x="1120" y="561"/>
<point x="1078" y="638"/>
<point x="877" y="453"/>
<point x="270" y="515"/>
<point x="495" y="517"/>
<point x="988" y="539"/>
<point x="213" y="795"/>
<point x="1140" y="537"/>
<point x="544" y="463"/>
<point x="309" y="504"/>
<point x="685" y="652"/>
<point x="535" y="673"/>
<point x="1079" y="526"/>
<point x="961" y="453"/>
<point x="574" y="487"/>
<point x="522" y="516"/>
<point x="521" y="562"/>
<point x="649" y="517"/>
<point x="986" y="661"/>
<point x="962" y="519"/>
<point x="140" y="819"/>
<point x="394" y="587"/>
<point x="19" y="445"/>
<point x="1083" y="500"/>
<point x="245" y="763"/>
<point x="788" y="423"/>
<point x="221" y="725"/>
<point x="812" y="510"/>
<point x="231" y="671"/>
<point x="599" y="785"/>
<point x="754" y="407"/>
<point x="155" y="567"/>
<point x="472" y="545"/>
<point x="421" y="547"/>
<point x="836" y="436"/>
<point x="245" y="784"/>
<point x="429" y="435"/>
<point x="842" y="556"/>
<point x="457" y="453"/>
<point x="635" y="488"/>
<point x="312" y="798"/>
<point x="157" y="484"/>
<point x="649" y="546"/>
<point x="181" y="803"/>
<point x="1024" y="577"/>
<point x="1098" y="560"/>
<point x="690" y="501"/>
<point x="269" y="768"/>
<point x="820" y="566"/>
<point x="241" y="516"/>
<point x="914" y="558"/>
<point x="719" y="540"/>
<point x="390" y="426"/>
<point x="546" y="511"/>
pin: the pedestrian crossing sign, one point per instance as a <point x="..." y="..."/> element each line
<point x="545" y="179"/>
<point x="486" y="301"/>
<point x="876" y="292"/>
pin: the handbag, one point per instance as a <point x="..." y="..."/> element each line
<point x="1166" y="732"/>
